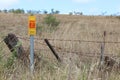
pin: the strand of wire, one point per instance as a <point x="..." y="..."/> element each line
<point x="25" y="38"/>
<point x="62" y="50"/>
<point x="59" y="48"/>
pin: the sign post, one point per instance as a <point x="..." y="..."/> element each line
<point x="32" y="32"/>
<point x="32" y="53"/>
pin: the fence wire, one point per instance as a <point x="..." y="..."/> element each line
<point x="62" y="50"/>
<point x="68" y="40"/>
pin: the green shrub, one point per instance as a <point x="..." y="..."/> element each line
<point x="49" y="24"/>
<point x="50" y="20"/>
<point x="11" y="60"/>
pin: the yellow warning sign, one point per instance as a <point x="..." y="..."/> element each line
<point x="32" y="25"/>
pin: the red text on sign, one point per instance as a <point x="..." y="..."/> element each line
<point x="32" y="24"/>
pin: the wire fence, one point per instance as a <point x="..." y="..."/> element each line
<point x="59" y="49"/>
<point x="62" y="50"/>
<point x="38" y="39"/>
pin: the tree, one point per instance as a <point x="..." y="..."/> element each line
<point x="11" y="11"/>
<point x="52" y="11"/>
<point x="78" y="13"/>
<point x="33" y="11"/>
<point x="16" y="11"/>
<point x="5" y="11"/>
<point x="57" y="12"/>
<point x="70" y="13"/>
<point x="38" y="12"/>
<point x="29" y="11"/>
<point x="81" y="13"/>
<point x="45" y="12"/>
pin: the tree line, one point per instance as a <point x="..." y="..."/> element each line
<point x="22" y="11"/>
<point x="52" y="11"/>
<point x="17" y="11"/>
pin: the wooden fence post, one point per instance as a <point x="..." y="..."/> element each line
<point x="102" y="50"/>
<point x="14" y="45"/>
<point x="52" y="49"/>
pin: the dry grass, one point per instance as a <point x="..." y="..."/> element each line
<point x="73" y="66"/>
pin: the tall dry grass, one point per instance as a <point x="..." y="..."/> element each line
<point x="74" y="66"/>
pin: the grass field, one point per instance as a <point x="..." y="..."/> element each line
<point x="74" y="66"/>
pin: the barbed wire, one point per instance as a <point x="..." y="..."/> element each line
<point x="68" y="40"/>
<point x="84" y="41"/>
<point x="25" y="38"/>
<point x="76" y="52"/>
<point x="65" y="51"/>
<point x="87" y="54"/>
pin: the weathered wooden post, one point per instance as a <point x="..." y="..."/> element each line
<point x="14" y="45"/>
<point x="52" y="49"/>
<point x="102" y="50"/>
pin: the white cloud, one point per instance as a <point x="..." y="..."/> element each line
<point x="83" y="1"/>
<point x="7" y="3"/>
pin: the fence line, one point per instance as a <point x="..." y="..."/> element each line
<point x="90" y="54"/>
<point x="64" y="51"/>
<point x="38" y="40"/>
<point x="25" y="38"/>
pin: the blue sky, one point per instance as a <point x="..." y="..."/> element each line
<point x="88" y="7"/>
